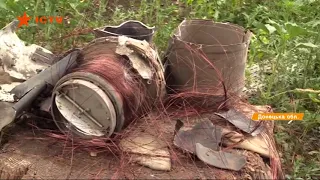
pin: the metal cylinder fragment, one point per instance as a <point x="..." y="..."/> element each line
<point x="133" y="29"/>
<point x="203" y="55"/>
<point x="79" y="102"/>
<point x="90" y="102"/>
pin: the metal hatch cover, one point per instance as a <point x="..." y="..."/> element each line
<point x="86" y="107"/>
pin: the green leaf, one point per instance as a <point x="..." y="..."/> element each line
<point x="279" y="28"/>
<point x="270" y="28"/>
<point x="309" y="45"/>
<point x="295" y="30"/>
<point x="74" y="7"/>
<point x="272" y="21"/>
<point x="260" y="26"/>
<point x="3" y="5"/>
<point x="314" y="98"/>
<point x="16" y="7"/>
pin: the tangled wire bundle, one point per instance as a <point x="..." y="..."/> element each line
<point x="117" y="71"/>
<point x="104" y="71"/>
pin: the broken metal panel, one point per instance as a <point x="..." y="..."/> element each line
<point x="26" y="101"/>
<point x="220" y="159"/>
<point x="241" y="121"/>
<point x="203" y="132"/>
<point x="145" y="50"/>
<point x="27" y="92"/>
<point x="42" y="55"/>
<point x="12" y="111"/>
<point x="204" y="141"/>
<point x="138" y="63"/>
<point x="20" y="61"/>
<point x="50" y="75"/>
<point x="240" y="115"/>
<point x="133" y="29"/>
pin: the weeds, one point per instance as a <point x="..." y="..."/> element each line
<point x="286" y="41"/>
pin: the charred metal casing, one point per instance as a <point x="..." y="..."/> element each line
<point x="30" y="90"/>
<point x="50" y="75"/>
<point x="21" y="62"/>
<point x="132" y="29"/>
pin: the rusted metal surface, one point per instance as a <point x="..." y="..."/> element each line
<point x="204" y="133"/>
<point x="241" y="121"/>
<point x="220" y="159"/>
<point x="204" y="140"/>
<point x="225" y="47"/>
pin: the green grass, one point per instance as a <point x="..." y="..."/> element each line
<point x="286" y="37"/>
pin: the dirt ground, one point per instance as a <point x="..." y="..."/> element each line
<point x="50" y="159"/>
<point x="53" y="158"/>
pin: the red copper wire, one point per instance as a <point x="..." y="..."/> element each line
<point x="116" y="71"/>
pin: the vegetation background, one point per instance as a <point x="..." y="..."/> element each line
<point x="284" y="49"/>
